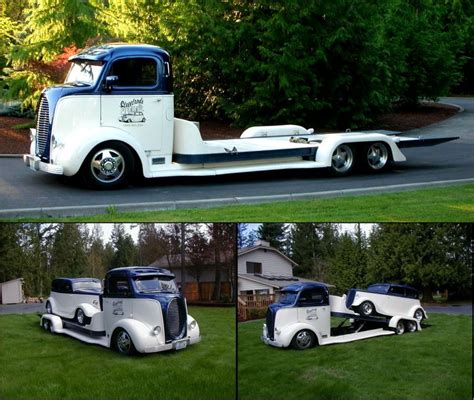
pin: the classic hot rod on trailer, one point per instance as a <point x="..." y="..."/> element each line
<point x="302" y="318"/>
<point x="140" y="309"/>
<point x="113" y="118"/>
<point x="386" y="299"/>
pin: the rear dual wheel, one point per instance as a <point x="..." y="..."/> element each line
<point x="345" y="157"/>
<point x="402" y="326"/>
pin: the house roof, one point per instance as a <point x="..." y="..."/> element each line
<point x="275" y="281"/>
<point x="261" y="245"/>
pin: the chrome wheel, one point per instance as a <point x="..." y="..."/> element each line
<point x="342" y="159"/>
<point x="124" y="342"/>
<point x="418" y="315"/>
<point x="367" y="308"/>
<point x="46" y="325"/>
<point x="400" y="328"/>
<point x="303" y="340"/>
<point x="80" y="317"/>
<point x="411" y="326"/>
<point x="49" y="309"/>
<point x="377" y="156"/>
<point x="107" y="165"/>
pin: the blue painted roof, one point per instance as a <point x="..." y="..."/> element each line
<point x="72" y="280"/>
<point x="391" y="284"/>
<point x="298" y="286"/>
<point x="134" y="271"/>
<point x="106" y="52"/>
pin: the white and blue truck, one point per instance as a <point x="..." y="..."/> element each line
<point x="113" y="119"/>
<point x="139" y="309"/>
<point x="301" y="318"/>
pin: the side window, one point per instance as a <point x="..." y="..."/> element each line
<point x="140" y="72"/>
<point x="67" y="287"/>
<point x="397" y="291"/>
<point x="412" y="294"/>
<point x="55" y="286"/>
<point x="118" y="286"/>
<point x="313" y="297"/>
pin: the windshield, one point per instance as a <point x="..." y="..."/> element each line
<point x="84" y="72"/>
<point x="151" y="284"/>
<point x="287" y="297"/>
<point x="93" y="286"/>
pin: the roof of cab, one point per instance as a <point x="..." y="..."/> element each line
<point x="392" y="284"/>
<point x="140" y="271"/>
<point x="298" y="286"/>
<point x="106" y="52"/>
<point x="78" y="279"/>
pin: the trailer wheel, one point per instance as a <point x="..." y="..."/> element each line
<point x="418" y="315"/>
<point x="123" y="342"/>
<point x="400" y="329"/>
<point x="47" y="325"/>
<point x="303" y="340"/>
<point x="80" y="317"/>
<point x="377" y="156"/>
<point x="108" y="166"/>
<point x="367" y="309"/>
<point x="49" y="308"/>
<point x="342" y="160"/>
<point x="411" y="326"/>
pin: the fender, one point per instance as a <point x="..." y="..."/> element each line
<point x="72" y="149"/>
<point x="194" y="334"/>
<point x="89" y="309"/>
<point x="289" y="331"/>
<point x="330" y="142"/>
<point x="394" y="321"/>
<point x="358" y="300"/>
<point x="416" y="307"/>
<point x="56" y="322"/>
<point x="53" y="304"/>
<point x="140" y="333"/>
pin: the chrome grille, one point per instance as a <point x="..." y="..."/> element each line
<point x="42" y="129"/>
<point x="175" y="319"/>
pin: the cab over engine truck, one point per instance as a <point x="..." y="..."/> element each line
<point x="113" y="118"/>
<point x="302" y="319"/>
<point x="140" y="309"/>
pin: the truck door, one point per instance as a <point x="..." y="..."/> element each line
<point x="117" y="300"/>
<point x="133" y="104"/>
<point x="313" y="308"/>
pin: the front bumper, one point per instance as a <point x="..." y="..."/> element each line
<point x="270" y="342"/>
<point x="172" y="345"/>
<point x="36" y="164"/>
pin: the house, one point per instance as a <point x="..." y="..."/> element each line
<point x="199" y="277"/>
<point x="262" y="269"/>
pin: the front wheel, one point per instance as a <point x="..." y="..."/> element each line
<point x="80" y="317"/>
<point x="367" y="309"/>
<point x="303" y="340"/>
<point x="377" y="156"/>
<point x="342" y="160"/>
<point x="123" y="342"/>
<point x="419" y="315"/>
<point x="108" y="166"/>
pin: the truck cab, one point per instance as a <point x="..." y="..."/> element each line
<point x="140" y="309"/>
<point x="301" y="318"/>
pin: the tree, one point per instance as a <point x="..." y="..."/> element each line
<point x="274" y="233"/>
<point x="199" y="252"/>
<point x="68" y="254"/>
<point x="125" y="250"/>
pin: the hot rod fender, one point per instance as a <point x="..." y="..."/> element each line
<point x="89" y="309"/>
<point x="53" y="304"/>
<point x="193" y="334"/>
<point x="330" y="143"/>
<point x="75" y="146"/>
<point x="289" y="331"/>
<point x="56" y="322"/>
<point x="141" y="334"/>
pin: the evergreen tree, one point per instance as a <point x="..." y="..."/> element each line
<point x="68" y="255"/>
<point x="274" y="233"/>
<point x="125" y="254"/>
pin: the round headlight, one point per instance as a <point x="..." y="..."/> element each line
<point x="192" y="325"/>
<point x="156" y="330"/>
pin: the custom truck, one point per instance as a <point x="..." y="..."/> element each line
<point x="139" y="310"/>
<point x="113" y="119"/>
<point x="302" y="318"/>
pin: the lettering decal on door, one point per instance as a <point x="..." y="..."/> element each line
<point x="132" y="112"/>
<point x="311" y="313"/>
<point x="117" y="306"/>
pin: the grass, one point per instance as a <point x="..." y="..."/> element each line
<point x="26" y="125"/>
<point x="435" y="363"/>
<point x="38" y="365"/>
<point x="448" y="204"/>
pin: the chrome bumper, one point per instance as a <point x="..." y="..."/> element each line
<point x="36" y="164"/>
<point x="270" y="342"/>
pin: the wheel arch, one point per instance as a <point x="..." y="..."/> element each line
<point x="287" y="335"/>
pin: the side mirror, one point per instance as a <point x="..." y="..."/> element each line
<point x="110" y="81"/>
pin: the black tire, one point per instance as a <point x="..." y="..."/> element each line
<point x="49" y="308"/>
<point x="419" y="315"/>
<point x="411" y="326"/>
<point x="80" y="317"/>
<point x="366" y="309"/>
<point x="47" y="325"/>
<point x="303" y="339"/>
<point x="400" y="328"/>
<point x="108" y="166"/>
<point x="376" y="156"/>
<point x="123" y="343"/>
<point x="343" y="160"/>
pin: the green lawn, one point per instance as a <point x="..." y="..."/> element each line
<point x="38" y="365"/>
<point x="447" y="204"/>
<point x="435" y="363"/>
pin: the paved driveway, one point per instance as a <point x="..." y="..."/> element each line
<point x="21" y="308"/>
<point x="455" y="309"/>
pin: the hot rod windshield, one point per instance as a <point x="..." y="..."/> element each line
<point x="151" y="284"/>
<point x="84" y="72"/>
<point x="287" y="297"/>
